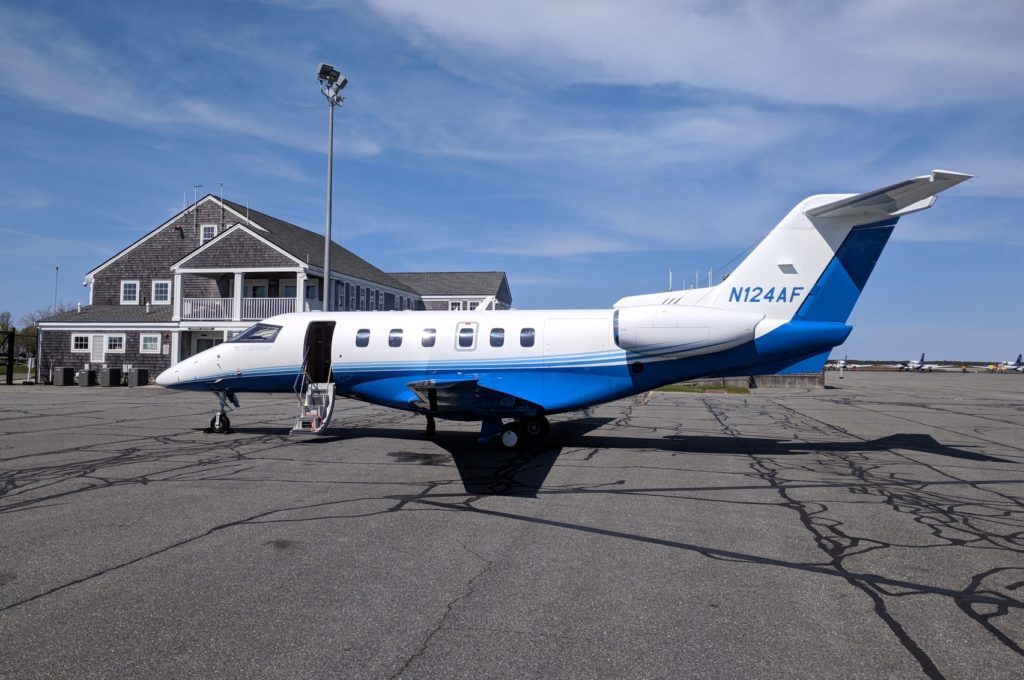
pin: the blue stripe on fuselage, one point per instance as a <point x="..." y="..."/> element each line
<point x="556" y="388"/>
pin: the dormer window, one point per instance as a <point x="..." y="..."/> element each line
<point x="129" y="292"/>
<point x="207" y="231"/>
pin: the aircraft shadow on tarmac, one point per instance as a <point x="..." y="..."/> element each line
<point x="922" y="443"/>
<point x="487" y="471"/>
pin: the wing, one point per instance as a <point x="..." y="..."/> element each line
<point x="897" y="199"/>
<point x="467" y="397"/>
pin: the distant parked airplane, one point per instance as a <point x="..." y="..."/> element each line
<point x="844" y="364"/>
<point x="916" y="365"/>
<point x="784" y="306"/>
<point x="1004" y="366"/>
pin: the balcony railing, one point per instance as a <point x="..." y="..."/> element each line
<point x="206" y="309"/>
<point x="252" y="309"/>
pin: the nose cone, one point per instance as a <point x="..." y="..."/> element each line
<point x="168" y="378"/>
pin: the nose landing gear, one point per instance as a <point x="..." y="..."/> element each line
<point x="227" y="401"/>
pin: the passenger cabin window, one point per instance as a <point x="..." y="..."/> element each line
<point x="395" y="337"/>
<point x="466" y="338"/>
<point x="527" y="337"/>
<point x="261" y="332"/>
<point x="362" y="337"/>
<point x="429" y="337"/>
<point x="497" y="337"/>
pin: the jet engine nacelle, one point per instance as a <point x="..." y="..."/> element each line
<point x="673" y="331"/>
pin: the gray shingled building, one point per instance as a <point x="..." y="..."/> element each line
<point x="211" y="271"/>
<point x="458" y="290"/>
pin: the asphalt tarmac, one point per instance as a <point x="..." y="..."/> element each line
<point x="873" y="529"/>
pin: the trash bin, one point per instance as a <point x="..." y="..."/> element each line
<point x="87" y="377"/>
<point x="110" y="377"/>
<point x="64" y="376"/>
<point x="137" y="377"/>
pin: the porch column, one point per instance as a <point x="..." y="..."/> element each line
<point x="177" y="298"/>
<point x="300" y="292"/>
<point x="236" y="308"/>
<point x="175" y="349"/>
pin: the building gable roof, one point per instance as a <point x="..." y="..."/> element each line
<point x="455" y="284"/>
<point x="305" y="246"/>
<point x="239" y="246"/>
<point x="148" y="235"/>
<point x="308" y="247"/>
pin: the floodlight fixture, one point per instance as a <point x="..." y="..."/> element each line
<point x="331" y="83"/>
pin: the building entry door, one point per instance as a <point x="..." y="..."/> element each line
<point x="98" y="349"/>
<point x="317" y="351"/>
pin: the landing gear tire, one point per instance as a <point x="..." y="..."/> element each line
<point x="511" y="437"/>
<point x="536" y="427"/>
<point x="220" y="424"/>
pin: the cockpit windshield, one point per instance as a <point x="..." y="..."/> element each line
<point x="261" y="332"/>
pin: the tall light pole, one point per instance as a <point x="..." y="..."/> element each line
<point x="331" y="85"/>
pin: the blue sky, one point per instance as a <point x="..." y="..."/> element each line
<point x="583" y="147"/>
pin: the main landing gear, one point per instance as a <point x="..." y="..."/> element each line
<point x="220" y="423"/>
<point x="514" y="435"/>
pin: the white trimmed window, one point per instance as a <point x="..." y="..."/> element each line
<point x="130" y="292"/>
<point x="161" y="293"/>
<point x="207" y="232"/>
<point x="149" y="343"/>
<point x="115" y="343"/>
<point x="455" y="305"/>
<point x="80" y="343"/>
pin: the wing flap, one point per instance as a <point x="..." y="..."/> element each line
<point x="897" y="199"/>
<point x="467" y="396"/>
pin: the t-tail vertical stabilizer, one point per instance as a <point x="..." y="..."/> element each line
<point x="807" y="274"/>
<point x="815" y="263"/>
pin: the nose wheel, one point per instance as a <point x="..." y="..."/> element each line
<point x="220" y="423"/>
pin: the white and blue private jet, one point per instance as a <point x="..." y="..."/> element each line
<point x="784" y="307"/>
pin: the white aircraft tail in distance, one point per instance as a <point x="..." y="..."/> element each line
<point x="784" y="307"/>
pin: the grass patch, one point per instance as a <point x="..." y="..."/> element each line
<point x="705" y="389"/>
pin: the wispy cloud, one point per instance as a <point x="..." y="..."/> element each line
<point x="871" y="54"/>
<point x="74" y="75"/>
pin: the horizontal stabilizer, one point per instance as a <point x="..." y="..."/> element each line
<point x="898" y="199"/>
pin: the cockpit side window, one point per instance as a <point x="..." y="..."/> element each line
<point x="261" y="332"/>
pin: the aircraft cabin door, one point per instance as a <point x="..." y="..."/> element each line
<point x="317" y="350"/>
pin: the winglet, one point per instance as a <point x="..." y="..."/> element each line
<point x="897" y="199"/>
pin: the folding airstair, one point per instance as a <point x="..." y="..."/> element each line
<point x="316" y="405"/>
